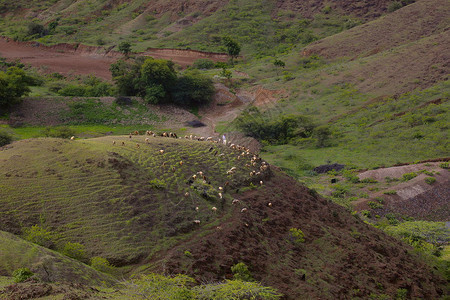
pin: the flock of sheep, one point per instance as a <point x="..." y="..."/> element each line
<point x="243" y="152"/>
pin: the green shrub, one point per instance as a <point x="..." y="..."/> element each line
<point x="101" y="264"/>
<point x="5" y="138"/>
<point x="430" y="180"/>
<point x="192" y="89"/>
<point x="402" y="294"/>
<point x="374" y="205"/>
<point x="203" y="63"/>
<point x="39" y="235"/>
<point x="22" y="274"/>
<point x="74" y="250"/>
<point x="157" y="184"/>
<point x="366" y="213"/>
<point x="59" y="132"/>
<point x="408" y="176"/>
<point x="391" y="192"/>
<point x="340" y="191"/>
<point x="369" y="180"/>
<point x="155" y="286"/>
<point x="444" y="165"/>
<point x="241" y="272"/>
<point x="235" y="289"/>
<point x="297" y="235"/>
<point x="275" y="129"/>
<point x="389" y="179"/>
<point x="393" y="6"/>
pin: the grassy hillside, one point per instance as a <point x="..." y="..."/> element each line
<point x="263" y="26"/>
<point x="129" y="205"/>
<point x="47" y="265"/>
<point x="124" y="184"/>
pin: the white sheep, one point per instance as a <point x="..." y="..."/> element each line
<point x="260" y="182"/>
<point x="243" y="210"/>
<point x="235" y="201"/>
<point x="214" y="209"/>
<point x="220" y="195"/>
<point x="220" y="188"/>
<point x="147" y="140"/>
<point x="269" y="204"/>
<point x="161" y="151"/>
<point x="196" y="208"/>
<point x="181" y="162"/>
<point x="72" y="138"/>
<point x="186" y="194"/>
<point x="114" y="142"/>
<point x="197" y="222"/>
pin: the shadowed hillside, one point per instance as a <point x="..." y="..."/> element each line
<point x="137" y="205"/>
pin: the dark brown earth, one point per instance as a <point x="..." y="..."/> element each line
<point x="341" y="258"/>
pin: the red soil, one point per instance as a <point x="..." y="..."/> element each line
<point x="83" y="60"/>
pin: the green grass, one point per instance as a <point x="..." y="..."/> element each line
<point x="253" y="23"/>
<point x="126" y="215"/>
<point x="18" y="253"/>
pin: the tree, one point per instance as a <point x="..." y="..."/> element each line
<point x="192" y="89"/>
<point x="233" y="48"/>
<point x="125" y="48"/>
<point x="157" y="78"/>
<point x="13" y="85"/>
<point x="279" y="63"/>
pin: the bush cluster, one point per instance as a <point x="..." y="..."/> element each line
<point x="157" y="81"/>
<point x="5" y="138"/>
<point x="280" y="129"/>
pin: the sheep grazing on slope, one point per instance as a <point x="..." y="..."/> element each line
<point x="138" y="146"/>
<point x="149" y="132"/>
<point x="181" y="163"/>
<point x="220" y="188"/>
<point x="243" y="210"/>
<point x="235" y="201"/>
<point x="269" y="204"/>
<point x="220" y="195"/>
<point x="114" y="142"/>
<point x="161" y="151"/>
<point x="123" y="143"/>
<point x="197" y="222"/>
<point x="194" y="176"/>
<point x="147" y="140"/>
<point x="260" y="182"/>
<point x="186" y="194"/>
<point x="196" y="208"/>
<point x="214" y="209"/>
<point x="72" y="138"/>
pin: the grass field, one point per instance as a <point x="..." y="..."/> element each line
<point x="137" y="195"/>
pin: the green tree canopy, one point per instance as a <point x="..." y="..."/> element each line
<point x="125" y="48"/>
<point x="233" y="48"/>
<point x="157" y="81"/>
<point x="13" y="85"/>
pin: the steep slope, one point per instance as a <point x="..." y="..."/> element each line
<point x="411" y="23"/>
<point x="135" y="205"/>
<point x="187" y="24"/>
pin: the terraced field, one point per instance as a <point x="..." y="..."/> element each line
<point x="117" y="200"/>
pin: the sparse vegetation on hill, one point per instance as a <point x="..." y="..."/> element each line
<point x="316" y="92"/>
